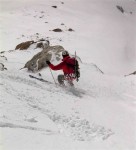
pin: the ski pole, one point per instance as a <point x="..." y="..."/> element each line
<point x="75" y="66"/>
<point x="53" y="77"/>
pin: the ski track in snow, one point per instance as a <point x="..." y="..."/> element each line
<point x="11" y="125"/>
<point x="73" y="126"/>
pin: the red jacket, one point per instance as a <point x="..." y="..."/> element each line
<point x="63" y="66"/>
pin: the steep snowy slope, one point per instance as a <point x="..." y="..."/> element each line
<point x="100" y="29"/>
<point x="100" y="112"/>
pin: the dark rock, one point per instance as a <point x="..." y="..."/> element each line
<point x="42" y="39"/>
<point x="62" y="24"/>
<point x="2" y="67"/>
<point x="3" y="58"/>
<point x="120" y="8"/>
<point x="42" y="43"/>
<point x="2" y="52"/>
<point x="24" y="45"/>
<point x="54" y="6"/>
<point x="39" y="45"/>
<point x="57" y="30"/>
<point x="41" y="16"/>
<point x="70" y="29"/>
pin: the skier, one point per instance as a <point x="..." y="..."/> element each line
<point x="70" y="69"/>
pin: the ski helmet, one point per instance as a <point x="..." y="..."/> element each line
<point x="65" y="53"/>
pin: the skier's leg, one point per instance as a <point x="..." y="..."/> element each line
<point x="61" y="79"/>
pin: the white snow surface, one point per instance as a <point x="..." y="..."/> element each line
<point x="100" y="112"/>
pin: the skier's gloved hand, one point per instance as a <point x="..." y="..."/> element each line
<point x="48" y="62"/>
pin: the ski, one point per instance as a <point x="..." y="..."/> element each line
<point x="71" y="89"/>
<point x="40" y="79"/>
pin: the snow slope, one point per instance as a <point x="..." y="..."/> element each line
<point x="100" y="112"/>
<point x="104" y="31"/>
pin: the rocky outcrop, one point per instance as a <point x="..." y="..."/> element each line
<point x="37" y="44"/>
<point x="39" y="60"/>
<point x="24" y="45"/>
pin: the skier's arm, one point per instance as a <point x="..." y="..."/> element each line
<point x="57" y="67"/>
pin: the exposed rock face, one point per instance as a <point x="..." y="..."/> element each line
<point x="48" y="52"/>
<point x="24" y="45"/>
<point x="39" y="60"/>
<point x="38" y="44"/>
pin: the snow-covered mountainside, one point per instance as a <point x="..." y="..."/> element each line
<point x="100" y="112"/>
